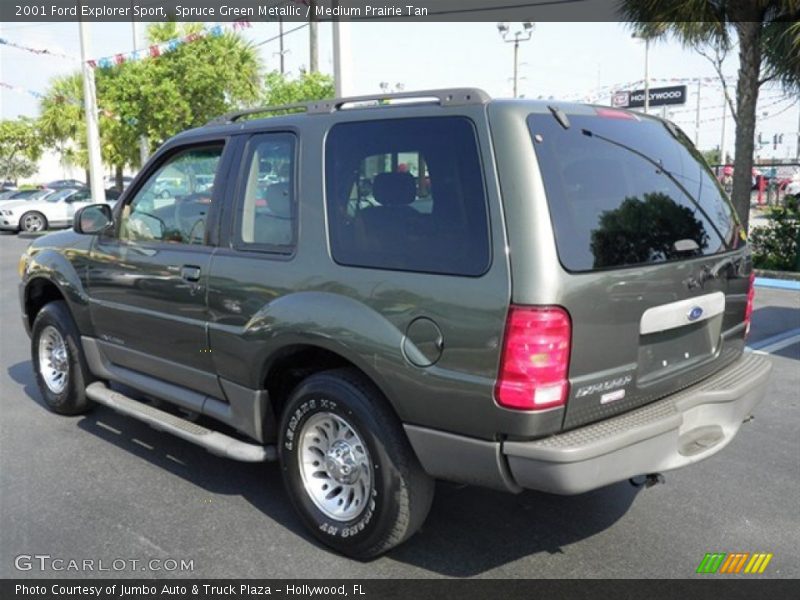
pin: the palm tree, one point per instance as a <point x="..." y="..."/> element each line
<point x="768" y="36"/>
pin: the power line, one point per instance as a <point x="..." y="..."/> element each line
<point x="285" y="33"/>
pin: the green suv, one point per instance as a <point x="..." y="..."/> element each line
<point x="378" y="292"/>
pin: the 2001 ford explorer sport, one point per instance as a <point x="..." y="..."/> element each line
<point x="377" y="292"/>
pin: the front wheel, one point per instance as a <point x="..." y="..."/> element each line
<point x="58" y="360"/>
<point x="348" y="467"/>
<point x="33" y="221"/>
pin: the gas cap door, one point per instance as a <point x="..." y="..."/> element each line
<point x="423" y="342"/>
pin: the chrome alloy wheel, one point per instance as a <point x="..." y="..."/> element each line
<point x="53" y="359"/>
<point x="32" y="223"/>
<point x="335" y="466"/>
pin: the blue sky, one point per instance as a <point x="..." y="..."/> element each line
<point x="573" y="61"/>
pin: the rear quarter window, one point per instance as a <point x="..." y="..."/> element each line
<point x="628" y="191"/>
<point x="407" y="194"/>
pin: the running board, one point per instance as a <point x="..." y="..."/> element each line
<point x="213" y="441"/>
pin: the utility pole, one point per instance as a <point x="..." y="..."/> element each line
<point x="697" y="117"/>
<point x="646" y="69"/>
<point x="144" y="149"/>
<point x="280" y="43"/>
<point x="797" y="155"/>
<point x="521" y="35"/>
<point x="313" y="50"/>
<point x="646" y="75"/>
<point x="342" y="57"/>
<point x="722" y="137"/>
<point x="92" y="130"/>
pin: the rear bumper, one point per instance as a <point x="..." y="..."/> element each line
<point x="675" y="431"/>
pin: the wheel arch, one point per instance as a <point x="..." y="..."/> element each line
<point x="50" y="276"/>
<point x="288" y="367"/>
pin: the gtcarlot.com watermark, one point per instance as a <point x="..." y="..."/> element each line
<point x="46" y="562"/>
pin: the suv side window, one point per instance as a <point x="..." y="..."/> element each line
<point x="173" y="204"/>
<point x="266" y="215"/>
<point x="407" y="194"/>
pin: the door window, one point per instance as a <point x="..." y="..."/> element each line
<point x="267" y="215"/>
<point x="407" y="194"/>
<point x="173" y="204"/>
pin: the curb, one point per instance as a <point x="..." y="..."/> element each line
<point x="781" y="284"/>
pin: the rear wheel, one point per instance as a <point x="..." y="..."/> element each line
<point x="32" y="222"/>
<point x="58" y="361"/>
<point x="348" y="467"/>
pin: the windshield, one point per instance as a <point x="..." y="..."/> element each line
<point x="59" y="195"/>
<point x="628" y="191"/>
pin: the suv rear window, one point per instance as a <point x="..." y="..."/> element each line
<point x="625" y="190"/>
<point x="407" y="194"/>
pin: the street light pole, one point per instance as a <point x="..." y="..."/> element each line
<point x="697" y="117"/>
<point x="516" y="65"/>
<point x="92" y="130"/>
<point x="521" y="35"/>
<point x="144" y="149"/>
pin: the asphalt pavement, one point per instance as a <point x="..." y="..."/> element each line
<point x="105" y="488"/>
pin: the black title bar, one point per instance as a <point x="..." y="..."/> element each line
<point x="305" y="10"/>
<point x="711" y="587"/>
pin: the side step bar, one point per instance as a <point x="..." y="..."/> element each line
<point x="213" y="441"/>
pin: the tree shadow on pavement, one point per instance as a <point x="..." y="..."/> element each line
<point x="469" y="530"/>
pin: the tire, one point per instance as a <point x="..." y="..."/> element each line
<point x="32" y="222"/>
<point x="63" y="377"/>
<point x="386" y="495"/>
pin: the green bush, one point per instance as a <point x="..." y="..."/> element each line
<point x="775" y="245"/>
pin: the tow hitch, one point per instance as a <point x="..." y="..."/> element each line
<point x="647" y="481"/>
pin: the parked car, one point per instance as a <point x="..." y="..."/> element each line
<point x="792" y="188"/>
<point x="111" y="182"/>
<point x="28" y="194"/>
<point x="567" y="308"/>
<point x="51" y="210"/>
<point x="65" y="183"/>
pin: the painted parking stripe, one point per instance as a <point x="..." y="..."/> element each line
<point x="776" y="342"/>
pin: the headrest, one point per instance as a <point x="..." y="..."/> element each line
<point x="394" y="189"/>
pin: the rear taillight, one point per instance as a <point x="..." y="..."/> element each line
<point x="748" y="311"/>
<point x="535" y="359"/>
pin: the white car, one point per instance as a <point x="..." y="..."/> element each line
<point x="793" y="187"/>
<point x="52" y="211"/>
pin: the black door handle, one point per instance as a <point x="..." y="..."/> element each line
<point x="190" y="273"/>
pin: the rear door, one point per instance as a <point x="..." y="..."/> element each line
<point x="654" y="273"/>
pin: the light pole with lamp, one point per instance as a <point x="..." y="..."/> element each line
<point x="521" y="35"/>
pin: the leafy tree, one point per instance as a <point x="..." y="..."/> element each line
<point x="155" y="97"/>
<point x="20" y="148"/>
<point x="712" y="157"/>
<point x="777" y="244"/>
<point x="61" y="120"/>
<point x="279" y="89"/>
<point x="641" y="230"/>
<point x="768" y="37"/>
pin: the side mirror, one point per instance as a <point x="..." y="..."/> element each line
<point x="92" y="219"/>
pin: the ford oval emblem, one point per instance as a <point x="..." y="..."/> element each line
<point x="695" y="313"/>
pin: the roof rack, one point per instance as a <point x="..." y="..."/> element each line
<point x="445" y="97"/>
